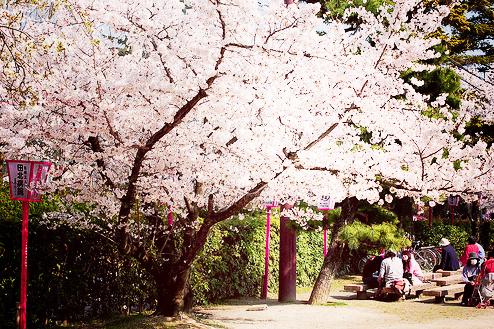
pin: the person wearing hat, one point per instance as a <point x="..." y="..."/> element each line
<point x="470" y="272"/>
<point x="449" y="258"/>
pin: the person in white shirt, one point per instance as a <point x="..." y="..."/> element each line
<point x="391" y="269"/>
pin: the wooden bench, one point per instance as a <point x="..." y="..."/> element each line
<point x="440" y="293"/>
<point x="448" y="280"/>
<point x="442" y="284"/>
<point x="430" y="275"/>
<point x="417" y="290"/>
<point x="449" y="273"/>
<point x="360" y="289"/>
<point x="363" y="292"/>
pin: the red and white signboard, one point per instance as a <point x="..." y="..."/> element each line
<point x="326" y="203"/>
<point x="25" y="178"/>
<point x="271" y="203"/>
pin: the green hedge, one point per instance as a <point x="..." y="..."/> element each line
<point x="430" y="236"/>
<point x="73" y="275"/>
<point x="76" y="274"/>
<point x="232" y="262"/>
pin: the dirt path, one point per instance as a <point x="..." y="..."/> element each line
<point x="345" y="312"/>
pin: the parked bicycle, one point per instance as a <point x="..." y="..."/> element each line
<point x="426" y="256"/>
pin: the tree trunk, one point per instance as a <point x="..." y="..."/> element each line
<point x="474" y="216"/>
<point x="332" y="261"/>
<point x="403" y="208"/>
<point x="173" y="291"/>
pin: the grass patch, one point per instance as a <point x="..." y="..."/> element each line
<point x="335" y="304"/>
<point x="141" y="321"/>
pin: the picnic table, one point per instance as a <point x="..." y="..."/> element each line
<point x="439" y="285"/>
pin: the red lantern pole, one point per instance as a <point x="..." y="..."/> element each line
<point x="325" y="230"/>
<point x="170" y="216"/>
<point x="23" y="296"/>
<point x="430" y="216"/>
<point x="24" y="176"/>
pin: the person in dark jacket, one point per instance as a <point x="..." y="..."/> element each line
<point x="371" y="270"/>
<point x="449" y="258"/>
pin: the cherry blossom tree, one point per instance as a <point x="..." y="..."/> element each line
<point x="480" y="92"/>
<point x="215" y="105"/>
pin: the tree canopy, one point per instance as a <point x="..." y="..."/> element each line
<point x="216" y="105"/>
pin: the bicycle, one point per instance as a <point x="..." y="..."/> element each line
<point x="426" y="256"/>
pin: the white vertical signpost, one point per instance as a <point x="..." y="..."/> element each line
<point x="325" y="204"/>
<point x="25" y="177"/>
<point x="269" y="205"/>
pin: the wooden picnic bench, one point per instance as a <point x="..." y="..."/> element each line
<point x="439" y="293"/>
<point x="363" y="292"/>
<point x="360" y="289"/>
<point x="449" y="273"/>
<point x="440" y="285"/>
<point x="448" y="280"/>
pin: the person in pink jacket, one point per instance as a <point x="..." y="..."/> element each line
<point x="469" y="248"/>
<point x="411" y="266"/>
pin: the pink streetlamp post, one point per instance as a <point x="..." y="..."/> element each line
<point x="24" y="178"/>
<point x="269" y="205"/>
<point x="170" y="214"/>
<point x="430" y="216"/>
<point x="325" y="204"/>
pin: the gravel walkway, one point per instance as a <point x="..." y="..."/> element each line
<point x="347" y="313"/>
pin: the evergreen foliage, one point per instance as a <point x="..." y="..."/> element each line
<point x="336" y="8"/>
<point x="375" y="236"/>
<point x="469" y="31"/>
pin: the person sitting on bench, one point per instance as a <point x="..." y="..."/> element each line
<point x="411" y="268"/>
<point x="470" y="272"/>
<point x="391" y="273"/>
<point x="449" y="258"/>
<point x="371" y="271"/>
<point x="486" y="276"/>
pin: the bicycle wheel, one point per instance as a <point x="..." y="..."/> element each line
<point x="438" y="255"/>
<point x="426" y="259"/>
<point x="361" y="263"/>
